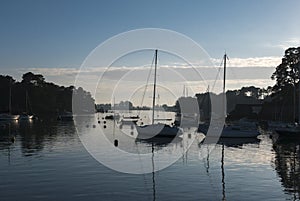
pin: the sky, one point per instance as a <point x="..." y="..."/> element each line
<point x="54" y="37"/>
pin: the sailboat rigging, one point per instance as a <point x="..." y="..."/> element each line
<point x="292" y="130"/>
<point x="26" y="115"/>
<point x="231" y="131"/>
<point x="156" y="129"/>
<point x="9" y="116"/>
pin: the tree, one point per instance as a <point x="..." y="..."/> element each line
<point x="287" y="73"/>
<point x="35" y="79"/>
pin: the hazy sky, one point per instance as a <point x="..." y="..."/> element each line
<point x="54" y="37"/>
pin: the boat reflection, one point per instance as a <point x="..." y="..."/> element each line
<point x="176" y="143"/>
<point x="228" y="142"/>
<point x="159" y="141"/>
<point x="287" y="165"/>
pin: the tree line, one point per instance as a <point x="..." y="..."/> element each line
<point x="36" y="96"/>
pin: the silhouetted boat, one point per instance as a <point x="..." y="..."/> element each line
<point x="8" y="116"/>
<point x="66" y="116"/>
<point x="291" y="131"/>
<point x="112" y="117"/>
<point x="156" y="129"/>
<point x="26" y="116"/>
<point x="294" y="129"/>
<point x="237" y="130"/>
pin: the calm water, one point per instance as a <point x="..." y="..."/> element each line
<point x="49" y="162"/>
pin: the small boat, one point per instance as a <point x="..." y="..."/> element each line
<point x="112" y="117"/>
<point x="26" y="117"/>
<point x="156" y="129"/>
<point x="9" y="117"/>
<point x="291" y="131"/>
<point x="66" y="116"/>
<point x="231" y="131"/>
<point x="239" y="131"/>
<point x="129" y="120"/>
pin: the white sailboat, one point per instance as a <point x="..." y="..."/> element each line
<point x="238" y="130"/>
<point x="8" y="116"/>
<point x="26" y="116"/>
<point x="156" y="129"/>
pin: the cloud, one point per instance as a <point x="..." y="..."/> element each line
<point x="272" y="61"/>
<point x="292" y="42"/>
<point x="240" y="72"/>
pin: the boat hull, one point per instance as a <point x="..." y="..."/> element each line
<point x="65" y="117"/>
<point x="289" y="132"/>
<point x="26" y="117"/>
<point x="156" y="130"/>
<point x="8" y="117"/>
<point x="231" y="132"/>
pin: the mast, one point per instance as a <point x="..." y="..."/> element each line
<point x="299" y="96"/>
<point x="154" y="87"/>
<point x="224" y="78"/>
<point x="26" y="101"/>
<point x="224" y="85"/>
<point x="9" y="99"/>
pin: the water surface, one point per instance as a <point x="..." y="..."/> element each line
<point x="48" y="162"/>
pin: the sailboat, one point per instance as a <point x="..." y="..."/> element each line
<point x="156" y="129"/>
<point x="8" y="116"/>
<point x="25" y="116"/>
<point x="294" y="129"/>
<point x="240" y="130"/>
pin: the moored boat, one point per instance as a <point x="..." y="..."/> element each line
<point x="9" y="117"/>
<point x="156" y="129"/>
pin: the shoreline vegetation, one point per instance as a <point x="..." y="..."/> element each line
<point x="43" y="98"/>
<point x="274" y="103"/>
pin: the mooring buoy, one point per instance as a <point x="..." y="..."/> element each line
<point x="116" y="143"/>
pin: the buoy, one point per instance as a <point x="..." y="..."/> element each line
<point x="13" y="139"/>
<point x="116" y="143"/>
